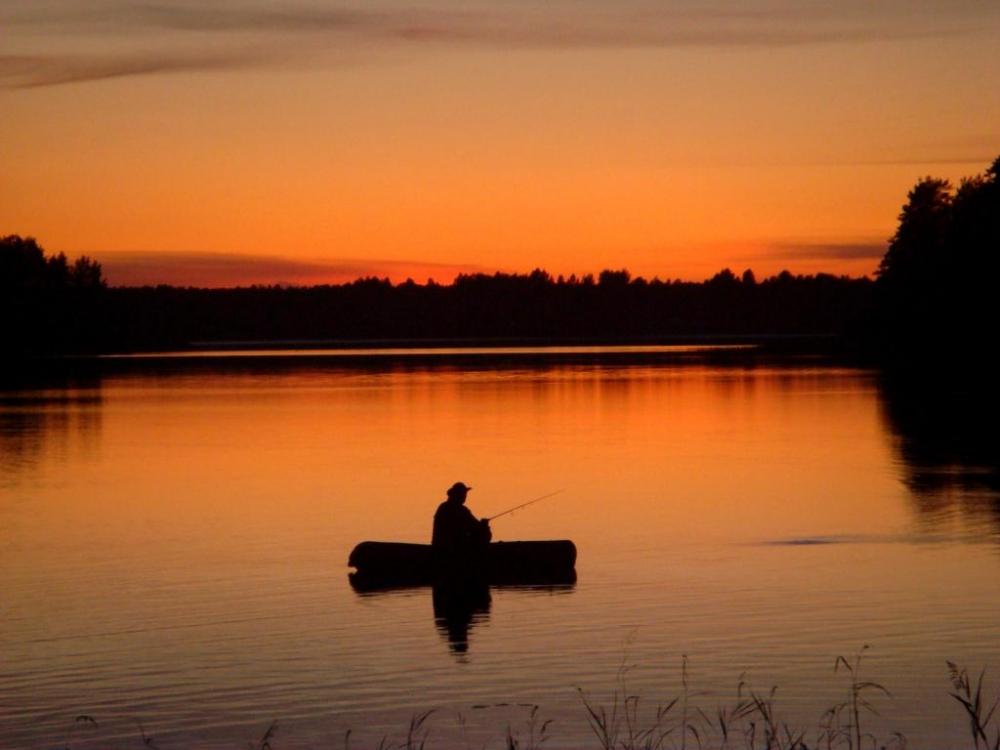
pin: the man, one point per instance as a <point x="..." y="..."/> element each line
<point x="459" y="540"/>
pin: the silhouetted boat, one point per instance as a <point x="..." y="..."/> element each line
<point x="385" y="564"/>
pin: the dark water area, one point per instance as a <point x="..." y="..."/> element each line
<point x="176" y="530"/>
<point x="947" y="438"/>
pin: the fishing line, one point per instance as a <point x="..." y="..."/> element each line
<point x="525" y="505"/>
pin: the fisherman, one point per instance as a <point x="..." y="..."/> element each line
<point x="459" y="540"/>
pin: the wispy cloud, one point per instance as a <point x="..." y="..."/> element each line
<point x="33" y="71"/>
<point x="870" y="250"/>
<point x="858" y="258"/>
<point x="579" y="23"/>
<point x="304" y="29"/>
<point x="975" y="149"/>
<point x="213" y="269"/>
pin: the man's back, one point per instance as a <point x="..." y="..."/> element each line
<point x="456" y="530"/>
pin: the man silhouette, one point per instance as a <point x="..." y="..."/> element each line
<point x="459" y="540"/>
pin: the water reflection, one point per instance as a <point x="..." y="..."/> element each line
<point x="457" y="609"/>
<point x="214" y="489"/>
<point x="945" y="432"/>
<point x="52" y="416"/>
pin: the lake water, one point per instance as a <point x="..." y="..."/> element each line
<point x="174" y="535"/>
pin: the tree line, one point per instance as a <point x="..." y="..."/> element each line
<point x="933" y="285"/>
<point x="614" y="307"/>
<point x="937" y="281"/>
<point x="25" y="270"/>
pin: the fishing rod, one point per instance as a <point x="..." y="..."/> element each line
<point x="525" y="505"/>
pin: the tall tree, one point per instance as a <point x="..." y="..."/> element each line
<point x="937" y="280"/>
<point x="918" y="246"/>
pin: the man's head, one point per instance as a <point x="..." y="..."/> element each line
<point x="457" y="492"/>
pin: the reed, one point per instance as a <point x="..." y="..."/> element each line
<point x="265" y="740"/>
<point x="537" y="730"/>
<point x="750" y="720"/>
<point x="972" y="701"/>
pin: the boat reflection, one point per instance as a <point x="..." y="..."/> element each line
<point x="458" y="609"/>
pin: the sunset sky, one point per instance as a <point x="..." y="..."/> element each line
<point x="244" y="141"/>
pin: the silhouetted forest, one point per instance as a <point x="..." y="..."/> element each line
<point x="475" y="308"/>
<point x="933" y="287"/>
<point x="937" y="282"/>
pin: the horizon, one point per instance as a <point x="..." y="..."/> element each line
<point x="315" y="142"/>
<point x="199" y="270"/>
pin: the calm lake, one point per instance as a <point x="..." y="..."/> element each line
<point x="174" y="535"/>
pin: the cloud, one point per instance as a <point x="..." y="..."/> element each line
<point x="307" y="28"/>
<point x="213" y="269"/>
<point x="627" y="22"/>
<point x="857" y="258"/>
<point x="959" y="149"/>
<point x="27" y="71"/>
<point x="549" y="24"/>
<point x="871" y="250"/>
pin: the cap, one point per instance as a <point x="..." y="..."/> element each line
<point x="457" y="488"/>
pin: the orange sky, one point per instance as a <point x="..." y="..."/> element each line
<point x="309" y="141"/>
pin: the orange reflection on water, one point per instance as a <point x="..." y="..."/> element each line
<point x="180" y="533"/>
<point x="645" y="453"/>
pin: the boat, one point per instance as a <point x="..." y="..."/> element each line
<point x="380" y="565"/>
